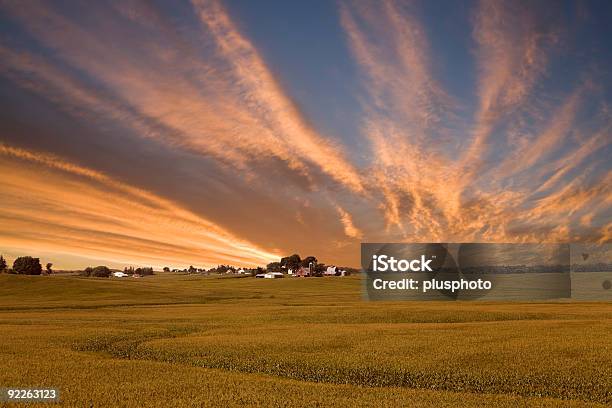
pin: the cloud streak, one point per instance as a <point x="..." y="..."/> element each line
<point x="436" y="183"/>
<point x="230" y="106"/>
<point x="347" y="222"/>
<point x="139" y="132"/>
<point x="512" y="53"/>
<point x="74" y="209"/>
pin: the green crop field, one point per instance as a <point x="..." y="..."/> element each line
<point x="184" y="340"/>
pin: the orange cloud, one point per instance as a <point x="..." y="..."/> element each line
<point x="347" y="221"/>
<point x="264" y="96"/>
<point x="71" y="209"/>
<point x="516" y="164"/>
<point x="432" y="187"/>
<point x="405" y="117"/>
<point x="229" y="106"/>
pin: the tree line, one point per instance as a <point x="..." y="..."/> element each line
<point x="292" y="262"/>
<point x="25" y="265"/>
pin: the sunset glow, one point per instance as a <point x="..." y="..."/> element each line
<point x="177" y="134"/>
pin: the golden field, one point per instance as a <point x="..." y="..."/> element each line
<point x="185" y="340"/>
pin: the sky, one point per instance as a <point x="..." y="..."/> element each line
<point x="172" y="133"/>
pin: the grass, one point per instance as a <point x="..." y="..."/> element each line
<point x="178" y="340"/>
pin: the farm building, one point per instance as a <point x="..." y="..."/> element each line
<point x="273" y="275"/>
<point x="303" y="271"/>
<point x="330" y="271"/>
<point x="120" y="275"/>
<point x="334" y="271"/>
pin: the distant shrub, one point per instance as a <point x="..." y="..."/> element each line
<point x="97" y="272"/>
<point x="139" y="271"/>
<point x="144" y="271"/>
<point x="2" y="264"/>
<point x="222" y="269"/>
<point x="26" y="265"/>
<point x="101" y="272"/>
<point x="320" y="269"/>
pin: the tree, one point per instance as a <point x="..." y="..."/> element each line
<point x="291" y="262"/>
<point x="49" y="265"/>
<point x="309" y="260"/>
<point x="144" y="271"/>
<point x="320" y="268"/>
<point x="166" y="269"/>
<point x="273" y="267"/>
<point x="26" y="265"/>
<point x="2" y="264"/>
<point x="100" y="272"/>
<point x="223" y="268"/>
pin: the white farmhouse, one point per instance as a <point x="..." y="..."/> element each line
<point x="273" y="275"/>
<point x="330" y="271"/>
<point x="334" y="271"/>
<point x="120" y="275"/>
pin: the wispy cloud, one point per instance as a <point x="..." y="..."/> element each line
<point x="513" y="42"/>
<point x="74" y="209"/>
<point x="347" y="222"/>
<point x="408" y="114"/>
<point x="263" y="96"/>
<point x="433" y="178"/>
<point x="171" y="137"/>
<point x="229" y="106"/>
<point x="393" y="51"/>
<point x="536" y="150"/>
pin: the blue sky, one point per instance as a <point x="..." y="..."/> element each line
<point x="205" y="132"/>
